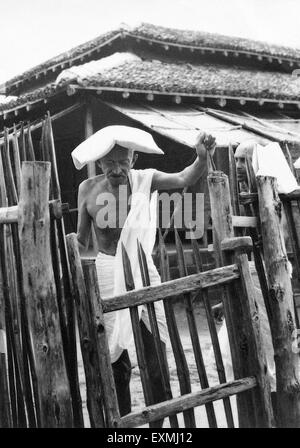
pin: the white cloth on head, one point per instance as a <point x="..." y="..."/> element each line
<point x="140" y="225"/>
<point x="102" y="142"/>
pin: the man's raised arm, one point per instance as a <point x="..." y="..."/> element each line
<point x="84" y="219"/>
<point x="189" y="176"/>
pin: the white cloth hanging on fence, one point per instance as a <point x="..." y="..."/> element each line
<point x="270" y="161"/>
<point x="140" y="225"/>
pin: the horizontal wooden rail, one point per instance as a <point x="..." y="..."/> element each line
<point x="9" y="215"/>
<point x="252" y="197"/>
<point x="188" y="401"/>
<point x="244" y="221"/>
<point x="172" y="288"/>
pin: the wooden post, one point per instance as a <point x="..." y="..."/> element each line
<point x="178" y="351"/>
<point x="108" y="383"/>
<point x="191" y="319"/>
<point x="282" y="324"/>
<point x="91" y="166"/>
<point x="163" y="366"/>
<point x="5" y="414"/>
<point x="40" y="293"/>
<point x="221" y="212"/>
<point x="213" y="334"/>
<point x="233" y="184"/>
<point x="249" y="341"/>
<point x="62" y="278"/>
<point x="89" y="130"/>
<point x="88" y="339"/>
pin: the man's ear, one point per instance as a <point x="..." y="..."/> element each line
<point x="99" y="165"/>
<point x="134" y="159"/>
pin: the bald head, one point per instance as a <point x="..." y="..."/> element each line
<point x="244" y="150"/>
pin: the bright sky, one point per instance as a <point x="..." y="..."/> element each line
<point x="36" y="30"/>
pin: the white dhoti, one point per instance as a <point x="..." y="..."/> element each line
<point x="105" y="265"/>
<point x="140" y="225"/>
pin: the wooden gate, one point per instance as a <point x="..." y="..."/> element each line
<point x="251" y="384"/>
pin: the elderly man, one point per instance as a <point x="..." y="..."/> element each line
<point x="115" y="189"/>
<point x="244" y="150"/>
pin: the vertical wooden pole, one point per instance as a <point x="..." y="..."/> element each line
<point x="137" y="334"/>
<point x="109" y="391"/>
<point x="282" y="324"/>
<point x="89" y="130"/>
<point x="91" y="167"/>
<point x="178" y="351"/>
<point x="244" y="309"/>
<point x="233" y="182"/>
<point x="39" y="286"/>
<point x="5" y="413"/>
<point x="63" y="278"/>
<point x="191" y="319"/>
<point x="163" y="366"/>
<point x="221" y="212"/>
<point x="87" y="336"/>
<point x="214" y="335"/>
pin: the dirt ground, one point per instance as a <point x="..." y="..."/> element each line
<point x="205" y="342"/>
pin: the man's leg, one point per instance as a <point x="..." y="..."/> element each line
<point x="153" y="367"/>
<point x="122" y="374"/>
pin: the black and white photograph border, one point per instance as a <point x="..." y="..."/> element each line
<point x="150" y="216"/>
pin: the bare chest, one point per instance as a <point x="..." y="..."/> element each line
<point x="109" y="210"/>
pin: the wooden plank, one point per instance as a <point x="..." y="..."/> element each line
<point x="17" y="162"/>
<point x="137" y="334"/>
<point x="22" y="144"/>
<point x="8" y="215"/>
<point x="191" y="319"/>
<point x="73" y="373"/>
<point x="203" y="295"/>
<point x="163" y="367"/>
<point x="257" y="361"/>
<point x="250" y="175"/>
<point x="89" y="130"/>
<point x="172" y="288"/>
<point x="282" y="321"/>
<point x="30" y="149"/>
<point x="233" y="183"/>
<point x="91" y="166"/>
<point x="221" y="209"/>
<point x="107" y="378"/>
<point x="87" y="336"/>
<point x="62" y="278"/>
<point x="179" y="355"/>
<point x="244" y="221"/>
<point x="9" y="277"/>
<point x="5" y="411"/>
<point x="38" y="280"/>
<point x="188" y="401"/>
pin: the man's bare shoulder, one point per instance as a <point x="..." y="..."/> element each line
<point x="90" y="183"/>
